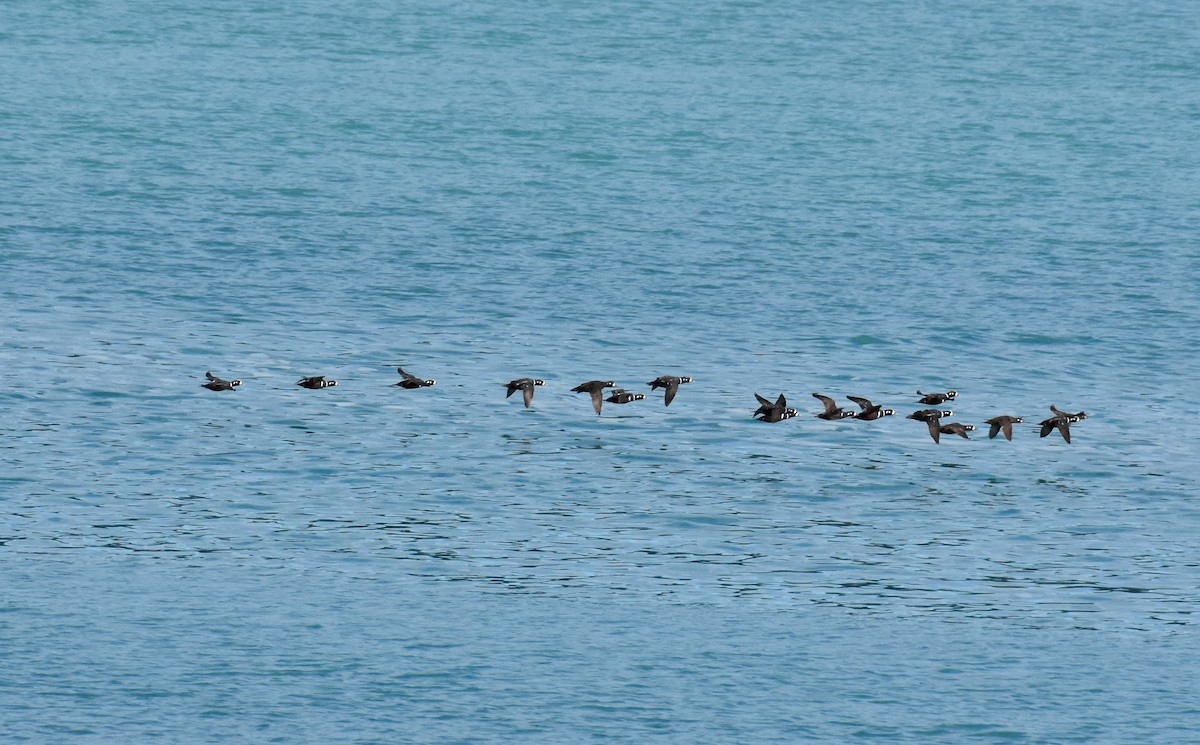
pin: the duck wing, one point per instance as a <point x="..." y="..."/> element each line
<point x="830" y="404"/>
<point x="935" y="429"/>
<point x="863" y="403"/>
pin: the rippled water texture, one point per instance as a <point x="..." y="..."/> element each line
<point x="853" y="199"/>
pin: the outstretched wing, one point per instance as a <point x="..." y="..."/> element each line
<point x="935" y="429"/>
<point x="863" y="403"/>
<point x="830" y="404"/>
<point x="1064" y="428"/>
<point x="669" y="396"/>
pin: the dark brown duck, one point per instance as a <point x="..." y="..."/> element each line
<point x="595" y="388"/>
<point x="526" y="386"/>
<point x="1002" y="423"/>
<point x="219" y="384"/>
<point x="670" y="384"/>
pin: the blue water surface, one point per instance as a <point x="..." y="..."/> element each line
<point x="854" y="199"/>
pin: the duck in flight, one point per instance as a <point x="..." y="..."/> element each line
<point x="412" y="381"/>
<point x="219" y="384"/>
<point x="670" y="384"/>
<point x="316" y="382"/>
<point x="832" y="410"/>
<point x="934" y="399"/>
<point x="954" y="428"/>
<point x="596" y="389"/>
<point x="869" y="411"/>
<point x="1002" y="423"/>
<point x="932" y="418"/>
<point x="1061" y="421"/>
<point x="526" y="386"/>
<point x="622" y="396"/>
<point x="776" y="411"/>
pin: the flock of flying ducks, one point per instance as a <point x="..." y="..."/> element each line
<point x="768" y="411"/>
<point x="777" y="411"/>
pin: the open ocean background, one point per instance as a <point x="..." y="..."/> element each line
<point x="854" y="198"/>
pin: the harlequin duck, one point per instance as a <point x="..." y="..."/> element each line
<point x="669" y="382"/>
<point x="219" y="384"/>
<point x="932" y="418"/>
<point x="526" y="386"/>
<point x="1003" y="423"/>
<point x="778" y="415"/>
<point x="316" y="382"/>
<point x="596" y="389"/>
<point x="870" y="411"/>
<point x="832" y="410"/>
<point x="954" y="428"/>
<point x="1077" y="416"/>
<point x="622" y="396"/>
<point x="933" y="399"/>
<point x="924" y="415"/>
<point x="412" y="381"/>
<point x="775" y="411"/>
<point x="1061" y="423"/>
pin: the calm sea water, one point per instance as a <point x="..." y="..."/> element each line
<point x="860" y="199"/>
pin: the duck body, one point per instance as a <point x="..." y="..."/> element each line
<point x="1061" y="423"/>
<point x="1002" y="423"/>
<point x="954" y="428"/>
<point x="933" y="419"/>
<point x="526" y="386"/>
<point x="925" y="415"/>
<point x="316" y="382"/>
<point x="1078" y="416"/>
<point x="622" y="396"/>
<point x="595" y="388"/>
<point x="670" y="384"/>
<point x="412" y="381"/>
<point x="778" y="415"/>
<point x="775" y="411"/>
<point x="933" y="399"/>
<point x="219" y="384"/>
<point x="869" y="411"/>
<point x="832" y="410"/>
